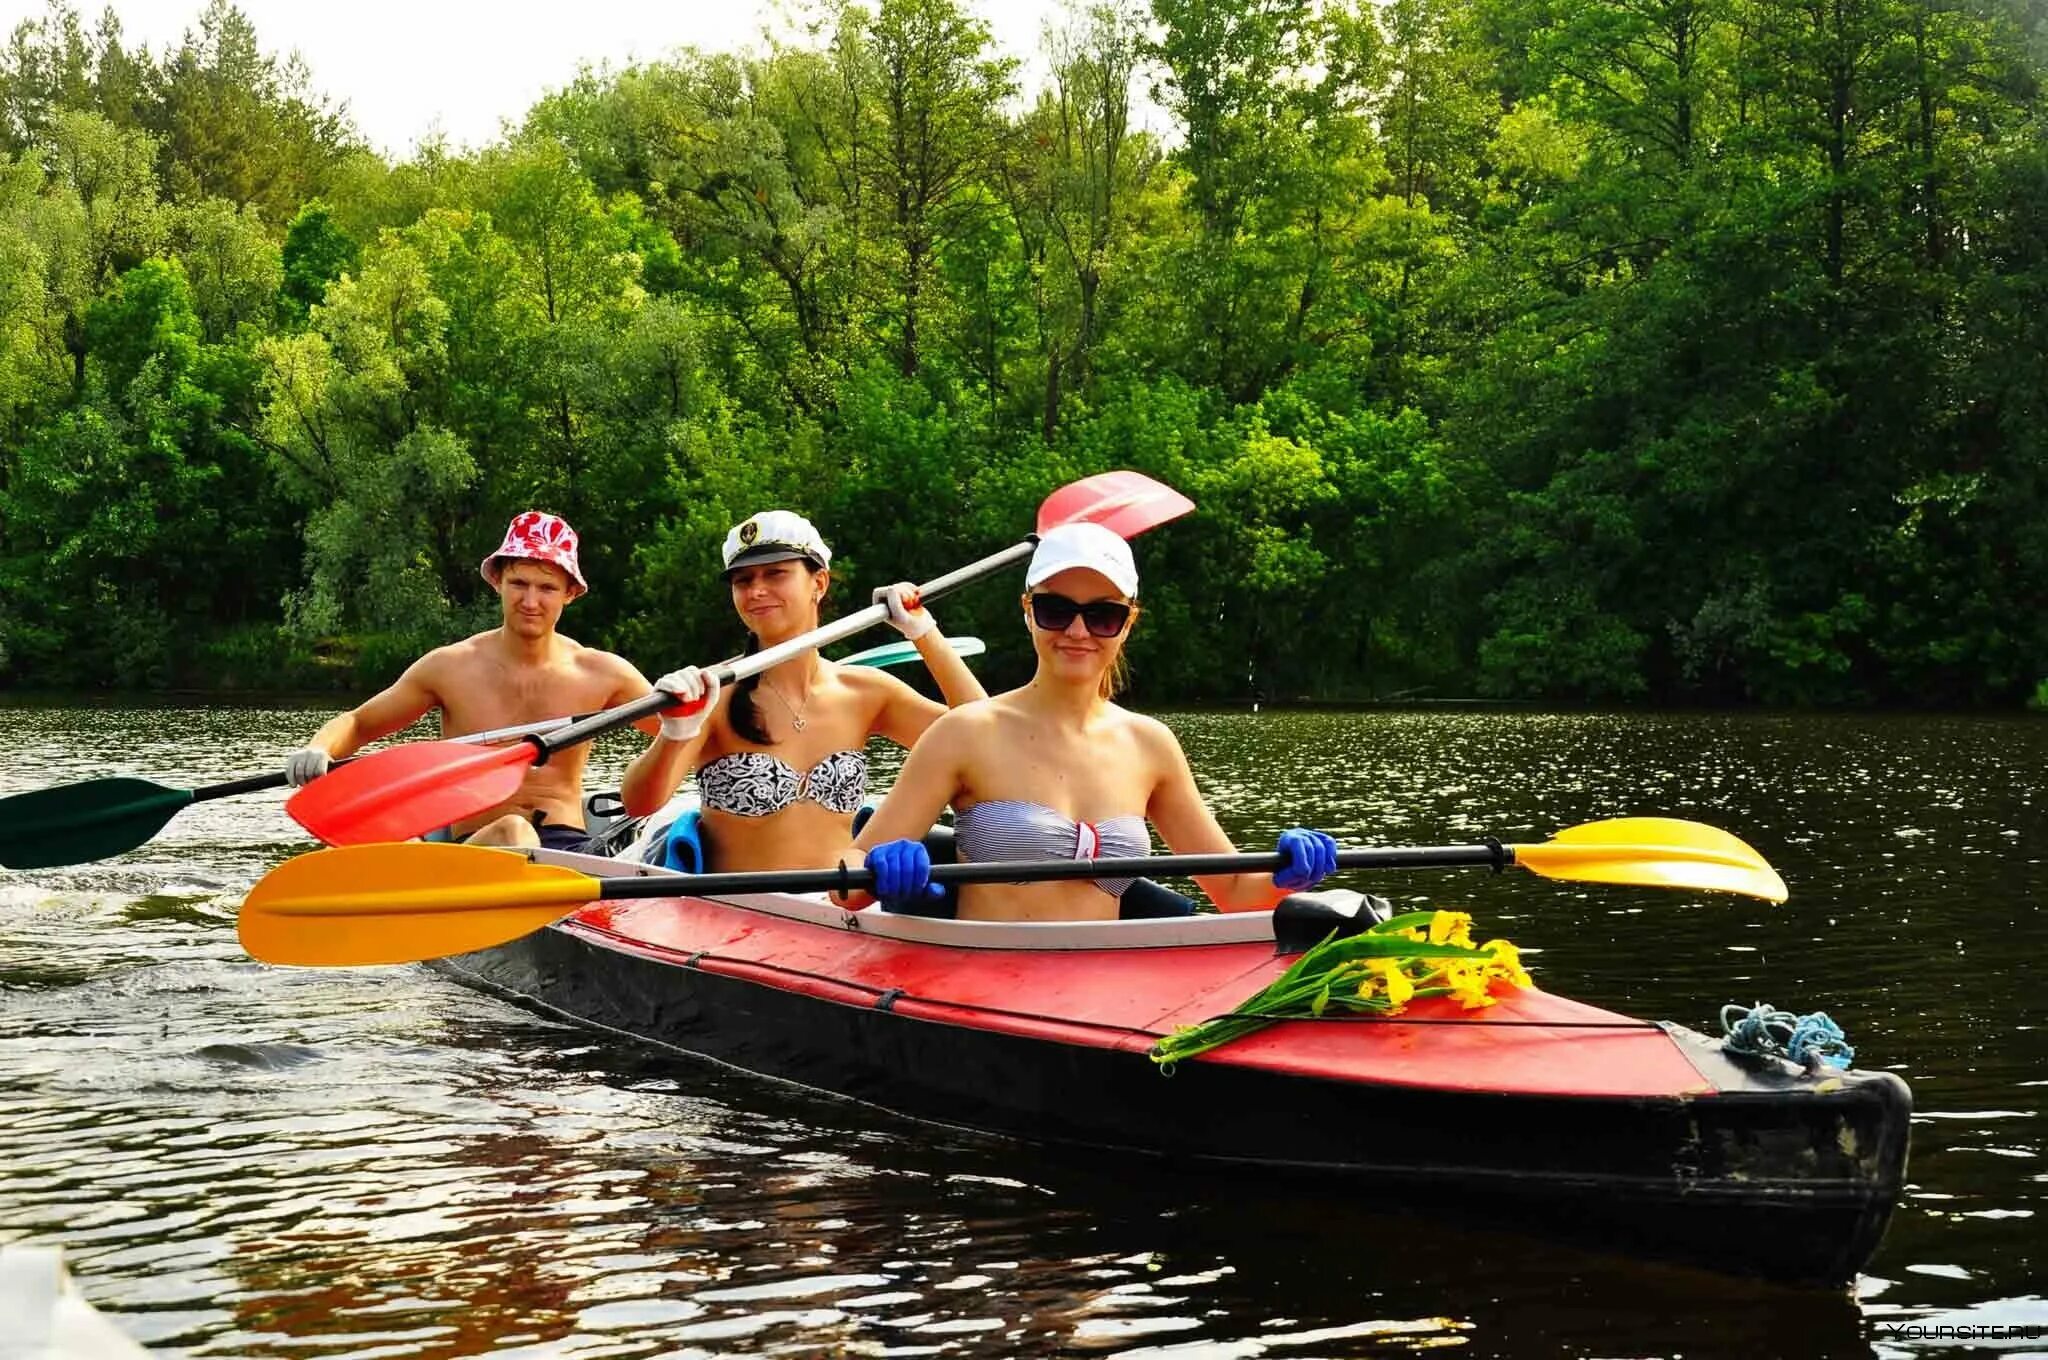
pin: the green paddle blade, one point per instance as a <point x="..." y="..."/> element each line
<point x="79" y="823"/>
<point x="901" y="653"/>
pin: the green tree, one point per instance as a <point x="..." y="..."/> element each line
<point x="316" y="252"/>
<point x="349" y="420"/>
<point x="45" y="70"/>
<point x="1072" y="174"/>
<point x="237" y="123"/>
<point x="140" y="515"/>
<point x="926" y="135"/>
<point x="230" y="262"/>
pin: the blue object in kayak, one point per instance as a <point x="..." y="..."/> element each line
<point x="1762" y="1031"/>
<point x="683" y="847"/>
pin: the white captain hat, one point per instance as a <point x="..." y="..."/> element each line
<point x="775" y="536"/>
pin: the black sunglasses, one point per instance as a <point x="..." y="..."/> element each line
<point x="1056" y="614"/>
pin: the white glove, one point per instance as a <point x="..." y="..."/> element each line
<point x="305" y="766"/>
<point x="912" y="623"/>
<point x="689" y="685"/>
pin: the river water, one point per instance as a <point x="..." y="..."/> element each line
<point x="251" y="1161"/>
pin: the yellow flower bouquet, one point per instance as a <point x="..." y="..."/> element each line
<point x="1422" y="953"/>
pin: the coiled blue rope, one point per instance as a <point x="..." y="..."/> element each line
<point x="1763" y="1030"/>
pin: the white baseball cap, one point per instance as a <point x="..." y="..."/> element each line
<point x="1084" y="545"/>
<point x="775" y="536"/>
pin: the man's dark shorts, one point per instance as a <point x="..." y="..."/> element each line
<point x="554" y="836"/>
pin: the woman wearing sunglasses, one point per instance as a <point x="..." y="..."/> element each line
<point x="781" y="759"/>
<point x="1055" y="770"/>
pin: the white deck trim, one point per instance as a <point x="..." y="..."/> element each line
<point x="1237" y="927"/>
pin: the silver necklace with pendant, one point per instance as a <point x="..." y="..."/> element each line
<point x="796" y="717"/>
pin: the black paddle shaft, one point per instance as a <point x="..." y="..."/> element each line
<point x="1491" y="855"/>
<point x="255" y="783"/>
<point x="277" y="779"/>
<point x="731" y="671"/>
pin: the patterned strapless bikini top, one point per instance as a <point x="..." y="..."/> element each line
<point x="755" y="784"/>
<point x="1004" y="828"/>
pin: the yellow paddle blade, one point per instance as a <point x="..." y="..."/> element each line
<point x="1657" y="852"/>
<point x="401" y="903"/>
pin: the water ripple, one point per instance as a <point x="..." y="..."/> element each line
<point x="245" y="1161"/>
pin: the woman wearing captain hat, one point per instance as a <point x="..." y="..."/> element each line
<point x="1055" y="770"/>
<point x="780" y="760"/>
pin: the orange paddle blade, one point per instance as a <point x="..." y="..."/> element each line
<point x="1656" y="852"/>
<point x="409" y="790"/>
<point x="403" y="903"/>
<point x="1125" y="503"/>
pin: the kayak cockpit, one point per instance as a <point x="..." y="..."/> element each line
<point x="1238" y="927"/>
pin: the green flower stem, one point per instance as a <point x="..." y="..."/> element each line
<point x="1332" y="973"/>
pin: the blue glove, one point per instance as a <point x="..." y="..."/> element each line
<point x="1311" y="857"/>
<point x="903" y="872"/>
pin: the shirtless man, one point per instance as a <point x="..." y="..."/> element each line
<point x="520" y="672"/>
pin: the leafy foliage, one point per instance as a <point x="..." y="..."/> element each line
<point x="1676" y="350"/>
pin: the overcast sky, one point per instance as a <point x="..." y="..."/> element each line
<point x="460" y="66"/>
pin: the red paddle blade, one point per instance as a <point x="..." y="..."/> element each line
<point x="408" y="791"/>
<point x="1125" y="503"/>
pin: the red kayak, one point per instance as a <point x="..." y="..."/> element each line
<point x="1646" y="1134"/>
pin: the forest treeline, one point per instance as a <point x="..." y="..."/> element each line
<point x="1675" y="350"/>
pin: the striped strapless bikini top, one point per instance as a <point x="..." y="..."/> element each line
<point x="1006" y="829"/>
<point x="756" y="784"/>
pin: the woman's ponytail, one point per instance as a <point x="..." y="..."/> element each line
<point x="740" y="712"/>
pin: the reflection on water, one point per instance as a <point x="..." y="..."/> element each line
<point x="247" y="1161"/>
